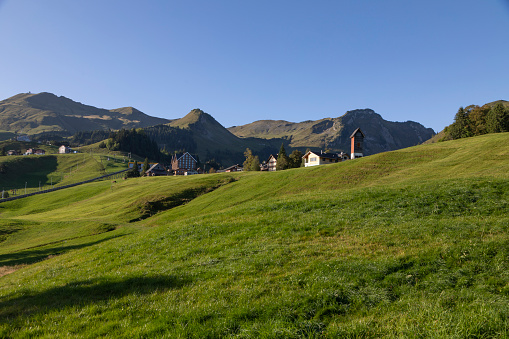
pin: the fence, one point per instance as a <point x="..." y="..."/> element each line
<point x="115" y="175"/>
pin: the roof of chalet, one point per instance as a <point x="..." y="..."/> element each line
<point x="154" y="167"/>
<point x="180" y="155"/>
<point x="326" y="155"/>
<point x="354" y="132"/>
<point x="229" y="168"/>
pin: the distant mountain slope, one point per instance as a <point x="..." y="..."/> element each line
<point x="215" y="141"/>
<point x="43" y="112"/>
<point x="334" y="133"/>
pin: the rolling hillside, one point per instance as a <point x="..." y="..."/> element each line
<point x="30" y="113"/>
<point x="334" y="133"/>
<point x="407" y="243"/>
<point x="43" y="171"/>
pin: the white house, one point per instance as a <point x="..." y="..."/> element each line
<point x="64" y="149"/>
<point x="316" y="159"/>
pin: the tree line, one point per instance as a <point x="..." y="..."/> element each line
<point x="478" y="120"/>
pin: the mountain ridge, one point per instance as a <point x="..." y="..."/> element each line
<point x="29" y="113"/>
<point x="33" y="113"/>
<point x="334" y="133"/>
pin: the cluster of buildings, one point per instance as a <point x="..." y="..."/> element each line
<point x="186" y="164"/>
<point x="29" y="151"/>
<point x="313" y="158"/>
<point x="181" y="164"/>
<point x="62" y="149"/>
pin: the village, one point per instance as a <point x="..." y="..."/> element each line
<point x="186" y="164"/>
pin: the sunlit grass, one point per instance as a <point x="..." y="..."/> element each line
<point x="413" y="243"/>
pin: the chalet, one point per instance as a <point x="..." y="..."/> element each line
<point x="357" y="144"/>
<point x="271" y="163"/>
<point x="64" y="149"/>
<point x="156" y="170"/>
<point x="321" y="158"/>
<point x="35" y="151"/>
<point x="357" y="148"/>
<point x="234" y="168"/>
<point x="13" y="152"/>
<point x="182" y="163"/>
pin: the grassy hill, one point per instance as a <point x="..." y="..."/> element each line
<point x="36" y="171"/>
<point x="410" y="243"/>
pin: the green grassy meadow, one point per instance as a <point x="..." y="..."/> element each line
<point x="411" y="243"/>
<point x="46" y="171"/>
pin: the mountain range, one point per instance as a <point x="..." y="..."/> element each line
<point x="29" y="113"/>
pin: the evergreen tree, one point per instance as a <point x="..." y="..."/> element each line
<point x="497" y="119"/>
<point x="296" y="159"/>
<point x="477" y="116"/>
<point x="282" y="159"/>
<point x="133" y="172"/>
<point x="461" y="127"/>
<point x="145" y="166"/>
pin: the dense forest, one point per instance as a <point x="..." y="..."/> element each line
<point x="135" y="141"/>
<point x="477" y="120"/>
<point x="172" y="139"/>
<point x="89" y="137"/>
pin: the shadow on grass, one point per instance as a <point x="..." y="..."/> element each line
<point x="82" y="293"/>
<point x="30" y="256"/>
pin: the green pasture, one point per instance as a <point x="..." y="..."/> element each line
<point x="412" y="243"/>
<point x="46" y="171"/>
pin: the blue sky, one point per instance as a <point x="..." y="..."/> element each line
<point x="243" y="61"/>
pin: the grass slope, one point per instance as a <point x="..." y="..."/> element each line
<point x="411" y="243"/>
<point x="58" y="169"/>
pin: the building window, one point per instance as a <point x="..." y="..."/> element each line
<point x="312" y="159"/>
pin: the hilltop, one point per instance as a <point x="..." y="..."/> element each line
<point x="476" y="121"/>
<point x="213" y="140"/>
<point x="406" y="243"/>
<point x="30" y="113"/>
<point x="334" y="133"/>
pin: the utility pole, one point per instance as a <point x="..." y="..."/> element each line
<point x="25" y="187"/>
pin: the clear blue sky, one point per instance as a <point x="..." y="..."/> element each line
<point x="243" y="61"/>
